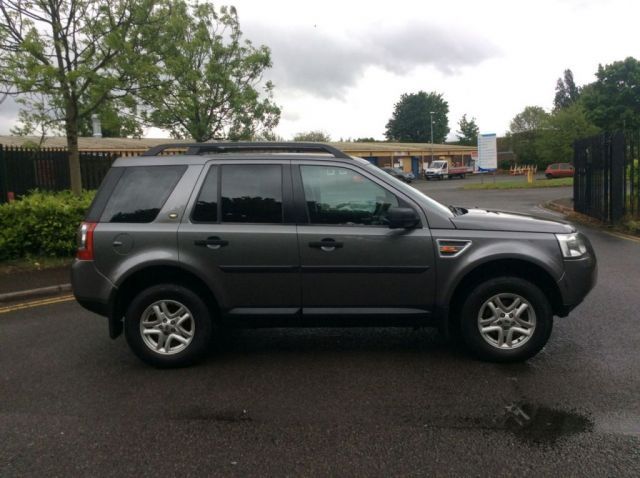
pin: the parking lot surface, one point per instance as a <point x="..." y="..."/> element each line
<point x="339" y="402"/>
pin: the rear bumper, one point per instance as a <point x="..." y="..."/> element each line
<point x="579" y="278"/>
<point x="91" y="289"/>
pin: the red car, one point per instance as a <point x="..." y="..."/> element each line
<point x="559" y="170"/>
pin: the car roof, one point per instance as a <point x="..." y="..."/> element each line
<point x="200" y="153"/>
<point x="199" y="159"/>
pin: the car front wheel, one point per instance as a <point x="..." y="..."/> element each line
<point x="168" y="326"/>
<point x="506" y="319"/>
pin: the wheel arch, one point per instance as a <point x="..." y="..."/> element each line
<point x="143" y="278"/>
<point x="523" y="269"/>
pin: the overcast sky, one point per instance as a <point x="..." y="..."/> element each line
<point x="339" y="66"/>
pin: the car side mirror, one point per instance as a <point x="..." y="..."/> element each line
<point x="402" y="218"/>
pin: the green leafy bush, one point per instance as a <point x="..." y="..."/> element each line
<point x="42" y="224"/>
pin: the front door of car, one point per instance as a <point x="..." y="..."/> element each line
<point x="239" y="237"/>
<point x="352" y="263"/>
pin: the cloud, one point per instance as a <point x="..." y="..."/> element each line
<point x="314" y="61"/>
<point x="8" y="114"/>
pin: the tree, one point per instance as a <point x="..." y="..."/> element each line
<point x="316" y="136"/>
<point x="116" y="121"/>
<point x="525" y="129"/>
<point x="411" y="119"/>
<point x="468" y="133"/>
<point x="567" y="93"/>
<point x="365" y="140"/>
<point x="613" y="100"/>
<point x="207" y="78"/>
<point x="79" y="53"/>
<point x="38" y="116"/>
<point x="532" y="118"/>
<point x="554" y="144"/>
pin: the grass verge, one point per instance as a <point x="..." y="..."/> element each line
<point x="627" y="226"/>
<point x="33" y="264"/>
<point x="522" y="184"/>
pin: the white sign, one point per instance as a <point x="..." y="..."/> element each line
<point x="487" y="152"/>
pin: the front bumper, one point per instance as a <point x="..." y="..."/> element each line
<point x="580" y="276"/>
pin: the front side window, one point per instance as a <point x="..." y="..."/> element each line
<point x="251" y="193"/>
<point x="336" y="195"/>
<point x="141" y="192"/>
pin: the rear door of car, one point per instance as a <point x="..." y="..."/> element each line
<point x="240" y="236"/>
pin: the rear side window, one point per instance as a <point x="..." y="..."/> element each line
<point x="141" y="192"/>
<point x="206" y="208"/>
<point x="251" y="193"/>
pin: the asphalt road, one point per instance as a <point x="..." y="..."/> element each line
<point x="357" y="402"/>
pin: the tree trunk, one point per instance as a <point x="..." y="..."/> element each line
<point x="74" y="153"/>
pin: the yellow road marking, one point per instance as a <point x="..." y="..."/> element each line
<point x="36" y="303"/>
<point x="623" y="236"/>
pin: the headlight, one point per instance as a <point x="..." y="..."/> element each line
<point x="572" y="245"/>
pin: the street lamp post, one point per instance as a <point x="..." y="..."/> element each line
<point x="431" y="115"/>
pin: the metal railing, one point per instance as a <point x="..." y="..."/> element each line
<point x="24" y="169"/>
<point x="605" y="181"/>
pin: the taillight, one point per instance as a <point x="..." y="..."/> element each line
<point x="85" y="241"/>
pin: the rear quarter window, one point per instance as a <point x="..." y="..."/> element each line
<point x="140" y="193"/>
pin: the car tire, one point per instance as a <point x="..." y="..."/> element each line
<point x="502" y="338"/>
<point x="549" y="176"/>
<point x="168" y="325"/>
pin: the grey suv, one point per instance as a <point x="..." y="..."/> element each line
<point x="176" y="248"/>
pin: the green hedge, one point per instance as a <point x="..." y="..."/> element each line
<point x="42" y="224"/>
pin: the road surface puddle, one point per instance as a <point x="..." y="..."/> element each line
<point x="544" y="425"/>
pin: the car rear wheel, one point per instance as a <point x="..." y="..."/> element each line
<point x="506" y="319"/>
<point x="549" y="176"/>
<point x="168" y="326"/>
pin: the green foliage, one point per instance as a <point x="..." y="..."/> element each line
<point x="540" y="138"/>
<point x="116" y="121"/>
<point x="317" y="135"/>
<point x="532" y="118"/>
<point x="42" y="224"/>
<point x="564" y="126"/>
<point x="612" y="102"/>
<point x="525" y="129"/>
<point x="207" y="79"/>
<point x="411" y="119"/>
<point x="365" y="140"/>
<point x="468" y="133"/>
<point x="524" y="146"/>
<point x="567" y="93"/>
<point x="522" y="183"/>
<point x="68" y="58"/>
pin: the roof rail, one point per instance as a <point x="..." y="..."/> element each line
<point x="289" y="147"/>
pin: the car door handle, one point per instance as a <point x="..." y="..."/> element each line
<point x="212" y="242"/>
<point x="326" y="245"/>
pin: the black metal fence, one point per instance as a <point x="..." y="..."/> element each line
<point x="605" y="184"/>
<point x="24" y="169"/>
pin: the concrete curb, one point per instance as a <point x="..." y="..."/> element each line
<point x="31" y="293"/>
<point x="554" y="206"/>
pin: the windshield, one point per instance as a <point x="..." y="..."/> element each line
<point x="413" y="191"/>
<point x="437" y="164"/>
